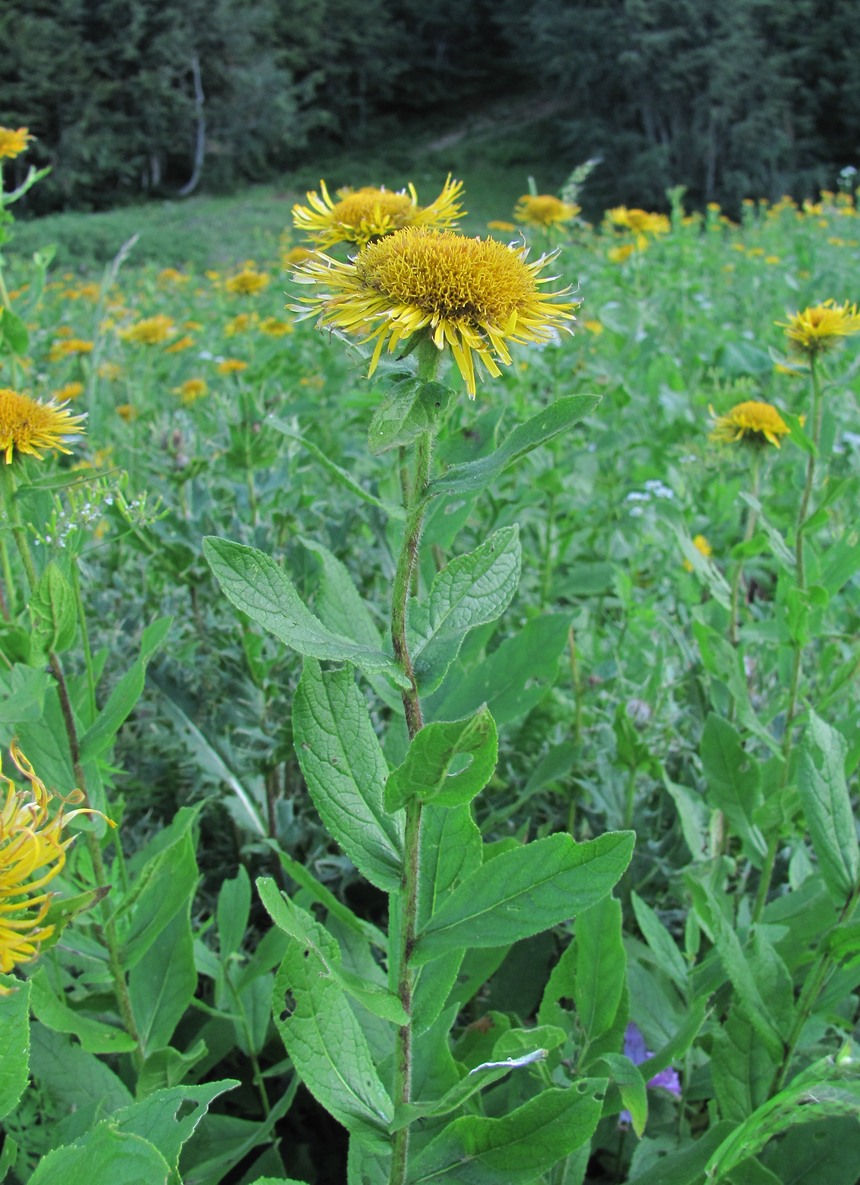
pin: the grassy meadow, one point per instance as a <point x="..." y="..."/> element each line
<point x="672" y="652"/>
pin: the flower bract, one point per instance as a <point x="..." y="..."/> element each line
<point x="358" y="216"/>
<point x="752" y="421"/>
<point x="28" y="426"/>
<point x="475" y="297"/>
<point x="820" y="327"/>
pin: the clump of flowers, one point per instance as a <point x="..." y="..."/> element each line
<point x="474" y="297"/>
<point x="358" y="216"/>
<point x="28" y="427"/>
<point x="643" y="224"/>
<point x="32" y="853"/>
<point x="753" y="422"/>
<point x="13" y="142"/>
<point x="820" y="328"/>
<point x="151" y="331"/>
<point x="544" y="210"/>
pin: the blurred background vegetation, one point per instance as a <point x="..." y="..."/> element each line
<point x="135" y="99"/>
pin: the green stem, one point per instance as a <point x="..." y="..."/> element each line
<point x="85" y="639"/>
<point x="751" y="523"/>
<point x="407" y="913"/>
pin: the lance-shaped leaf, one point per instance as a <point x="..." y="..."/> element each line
<point x="53" y="613"/>
<point x="518" y="1148"/>
<point x="325" y="1040"/>
<point x="256" y="585"/>
<point x="525" y="891"/>
<point x="472" y="476"/>
<point x="345" y="770"/>
<point x="300" y="926"/>
<point x="14" y="1041"/>
<point x="472" y="590"/>
<point x="433" y="770"/>
<point x="734" y="778"/>
<point x="827" y="806"/>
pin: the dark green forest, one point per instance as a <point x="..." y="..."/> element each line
<point x="131" y="99"/>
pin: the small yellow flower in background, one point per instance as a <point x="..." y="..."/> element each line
<point x="247" y="282"/>
<point x="738" y="247"/>
<point x="241" y="323"/>
<point x="772" y="259"/>
<point x="90" y="292"/>
<point x="621" y="254"/>
<point x="181" y="343"/>
<point x="171" y="275"/>
<point x="127" y="412"/>
<point x="151" y="331"/>
<point x="28" y="427"/>
<point x="192" y="325"/>
<point x="273" y="327"/>
<point x="12" y="142"/>
<point x="752" y="421"/>
<point x="505" y="227"/>
<point x="295" y="255"/>
<point x="69" y="391"/>
<point x="191" y="390"/>
<point x="231" y="366"/>
<point x="592" y="326"/>
<point x="110" y="371"/>
<point x="639" y="221"/>
<point x="68" y="346"/>
<point x="32" y="853"/>
<point x="544" y="210"/>
<point x="473" y="296"/>
<point x="364" y="214"/>
<point x="820" y="328"/>
<point x="756" y="251"/>
<point x="703" y="547"/>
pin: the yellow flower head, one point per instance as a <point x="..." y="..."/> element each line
<point x="181" y="343"/>
<point x="274" y="327"/>
<point x="295" y="255"/>
<point x="172" y="275"/>
<point x="621" y="254"/>
<point x="191" y="390"/>
<point x="231" y="366"/>
<point x="32" y="852"/>
<point x="69" y="391"/>
<point x="151" y="331"/>
<point x="67" y="347"/>
<point x="640" y="221"/>
<point x="752" y="421"/>
<point x="127" y="412"/>
<point x="364" y="214"/>
<point x="817" y="329"/>
<point x="12" y="142"/>
<point x="499" y="224"/>
<point x="703" y="547"/>
<point x="475" y="296"/>
<point x="544" y="210"/>
<point x="27" y="426"/>
<point x="247" y="282"/>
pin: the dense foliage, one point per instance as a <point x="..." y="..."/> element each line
<point x="732" y="98"/>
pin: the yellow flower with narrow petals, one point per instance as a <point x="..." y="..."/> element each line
<point x="247" y="282"/>
<point x="819" y="328"/>
<point x="639" y="221"/>
<point x="752" y="422"/>
<point x="13" y="142"/>
<point x="191" y="390"/>
<point x="181" y="343"/>
<point x="127" y="412"/>
<point x="364" y="214"/>
<point x="32" y="853"/>
<point x="69" y="391"/>
<point x="544" y="210"/>
<point x="67" y="347"/>
<point x="151" y="331"/>
<point x="29" y="427"/>
<point x="621" y="253"/>
<point x="474" y="296"/>
<point x="232" y="366"/>
<point x="274" y="327"/>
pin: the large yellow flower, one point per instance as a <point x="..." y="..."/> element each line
<point x="27" y="426"/>
<point x="364" y="214"/>
<point x="544" y="210"/>
<point x="475" y="296"/>
<point x="752" y="420"/>
<point x="13" y="142"/>
<point x="32" y="852"/>
<point x="819" y="328"/>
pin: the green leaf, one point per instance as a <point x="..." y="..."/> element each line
<point x="98" y="739"/>
<point x="345" y="770"/>
<point x="510" y="680"/>
<point x="432" y="770"/>
<point x="72" y="1078"/>
<point x="13" y="330"/>
<point x="300" y="926"/>
<point x="162" y="985"/>
<point x="517" y="1148"/>
<point x="53" y="1011"/>
<point x="232" y="913"/>
<point x="325" y="1040"/>
<point x="107" y="1157"/>
<point x="410" y="408"/>
<point x="53" y="612"/>
<point x="167" y="1068"/>
<point x="687" y="1165"/>
<point x="631" y="1084"/>
<point x="14" y="1041"/>
<point x="472" y="476"/>
<point x="661" y="942"/>
<point x="600" y="975"/>
<point x="257" y="586"/>
<point x="741" y="1069"/>
<point x="22" y="694"/>
<point x="524" y="891"/>
<point x="472" y="590"/>
<point x="827" y="804"/>
<point x="338" y="603"/>
<point x="166" y="883"/>
<point x="734" y="779"/>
